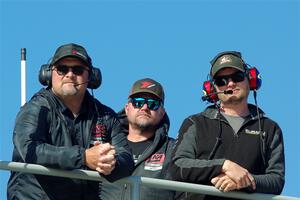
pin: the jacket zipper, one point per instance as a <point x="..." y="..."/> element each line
<point x="124" y="191"/>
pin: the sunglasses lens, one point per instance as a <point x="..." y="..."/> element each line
<point x="138" y="102"/>
<point x="238" y="77"/>
<point x="152" y="104"/>
<point x="223" y="80"/>
<point x="64" y="69"/>
<point x="78" y="70"/>
<point x="219" y="81"/>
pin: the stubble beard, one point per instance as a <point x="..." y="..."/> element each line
<point x="143" y="125"/>
<point x="235" y="100"/>
<point x="67" y="90"/>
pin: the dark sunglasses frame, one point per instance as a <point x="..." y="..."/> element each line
<point x="139" y="102"/>
<point x="236" y="77"/>
<point x="62" y="70"/>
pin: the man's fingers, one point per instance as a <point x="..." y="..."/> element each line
<point x="106" y="168"/>
<point x="214" y="180"/>
<point x="106" y="158"/>
<point x="106" y="148"/>
<point x="224" y="183"/>
<point x="219" y="183"/>
<point x="229" y="187"/>
<point x="238" y="174"/>
<point x="102" y="171"/>
<point x="252" y="182"/>
<point x="106" y="162"/>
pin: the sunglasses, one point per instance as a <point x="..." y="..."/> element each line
<point x="138" y="102"/>
<point x="64" y="69"/>
<point x="235" y="77"/>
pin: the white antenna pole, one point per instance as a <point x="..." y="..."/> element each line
<point x="23" y="76"/>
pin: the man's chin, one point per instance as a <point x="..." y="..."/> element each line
<point x="233" y="100"/>
<point x="144" y="126"/>
<point x="69" y="91"/>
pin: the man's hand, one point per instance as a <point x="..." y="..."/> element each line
<point x="238" y="174"/>
<point x="224" y="183"/>
<point x="101" y="157"/>
<point x="107" y="161"/>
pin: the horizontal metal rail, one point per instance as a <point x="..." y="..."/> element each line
<point x="136" y="181"/>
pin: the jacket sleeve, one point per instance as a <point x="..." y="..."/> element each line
<point x="32" y="139"/>
<point x="124" y="166"/>
<point x="186" y="165"/>
<point x="272" y="181"/>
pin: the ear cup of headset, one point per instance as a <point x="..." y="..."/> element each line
<point x="208" y="90"/>
<point x="254" y="78"/>
<point x="45" y="75"/>
<point x="95" y="78"/>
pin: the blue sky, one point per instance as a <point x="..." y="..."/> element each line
<point x="169" y="41"/>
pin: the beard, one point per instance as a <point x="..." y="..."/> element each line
<point x="142" y="124"/>
<point x="68" y="90"/>
<point x="143" y="127"/>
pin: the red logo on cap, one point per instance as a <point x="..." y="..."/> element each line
<point x="147" y="84"/>
<point x="74" y="52"/>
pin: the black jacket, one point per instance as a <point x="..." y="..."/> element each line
<point x="261" y="153"/>
<point x="46" y="133"/>
<point x="157" y="153"/>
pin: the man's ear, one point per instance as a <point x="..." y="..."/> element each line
<point x="126" y="108"/>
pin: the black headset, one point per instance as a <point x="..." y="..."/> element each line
<point x="252" y="74"/>
<point x="95" y="77"/>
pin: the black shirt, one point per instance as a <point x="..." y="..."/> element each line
<point x="137" y="148"/>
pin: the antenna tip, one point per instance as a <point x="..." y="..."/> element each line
<point x="23" y="53"/>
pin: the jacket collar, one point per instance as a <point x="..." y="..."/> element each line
<point x="86" y="104"/>
<point x="212" y="112"/>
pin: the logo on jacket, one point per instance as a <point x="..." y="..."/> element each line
<point x="155" y="162"/>
<point x="98" y="133"/>
<point x="254" y="132"/>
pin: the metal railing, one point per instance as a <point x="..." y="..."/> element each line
<point x="136" y="182"/>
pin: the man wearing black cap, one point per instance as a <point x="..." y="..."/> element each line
<point x="64" y="127"/>
<point x="230" y="145"/>
<point x="146" y="123"/>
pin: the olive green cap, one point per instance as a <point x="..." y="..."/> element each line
<point x="148" y="85"/>
<point x="227" y="59"/>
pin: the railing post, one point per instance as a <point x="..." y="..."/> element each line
<point x="135" y="187"/>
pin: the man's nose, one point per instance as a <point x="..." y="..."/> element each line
<point x="70" y="72"/>
<point x="145" y="106"/>
<point x="230" y="82"/>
